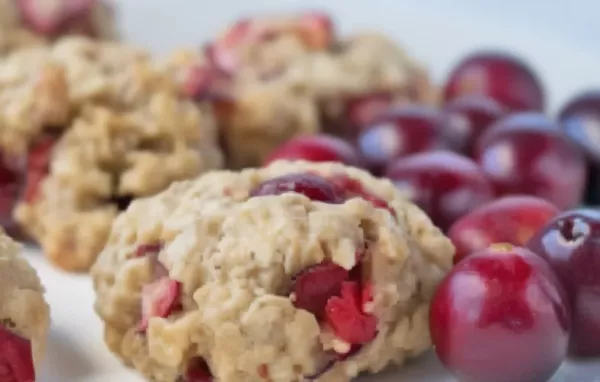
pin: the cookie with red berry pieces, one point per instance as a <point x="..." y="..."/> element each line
<point x="295" y="271"/>
<point x="99" y="124"/>
<point x="24" y="23"/>
<point x="24" y="315"/>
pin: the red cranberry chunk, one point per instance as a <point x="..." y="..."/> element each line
<point x="501" y="316"/>
<point x="468" y="117"/>
<point x="197" y="371"/>
<point x="148" y="249"/>
<point x="526" y="153"/>
<point x="580" y="120"/>
<point x="316" y="285"/>
<point x="347" y="320"/>
<point x="160" y="298"/>
<point x="571" y="244"/>
<point x="445" y="185"/>
<point x="352" y="188"/>
<point x="316" y="148"/>
<point x="499" y="76"/>
<point x="313" y="186"/>
<point x="16" y="359"/>
<point x="400" y="132"/>
<point x="511" y="219"/>
<point x="54" y="17"/>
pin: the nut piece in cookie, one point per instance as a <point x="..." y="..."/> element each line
<point x="274" y="78"/>
<point x="99" y="124"/>
<point x="25" y="23"/>
<point x="24" y="315"/>
<point x="292" y="272"/>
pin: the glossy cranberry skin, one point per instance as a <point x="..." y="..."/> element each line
<point x="571" y="244"/>
<point x="500" y="76"/>
<point x="501" y="315"/>
<point x="526" y="153"/>
<point x="468" y="117"/>
<point x="310" y="185"/>
<point x="399" y="132"/>
<point x="444" y="184"/>
<point x="510" y="219"/>
<point x="316" y="148"/>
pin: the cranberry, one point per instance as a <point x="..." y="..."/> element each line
<point x="313" y="186"/>
<point x="207" y="83"/>
<point x="365" y="109"/>
<point x="501" y="315"/>
<point x="445" y="185"/>
<point x="16" y="359"/>
<point x="571" y="244"/>
<point x="500" y="76"/>
<point x="525" y="153"/>
<point x="314" y="287"/>
<point x="11" y="182"/>
<point x="346" y="317"/>
<point x="197" y="371"/>
<point x="400" y="132"/>
<point x="352" y="188"/>
<point x="316" y="148"/>
<point x="511" y="219"/>
<point x="53" y="17"/>
<point x="468" y="117"/>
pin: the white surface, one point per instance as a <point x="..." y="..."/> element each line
<point x="561" y="44"/>
<point x="76" y="352"/>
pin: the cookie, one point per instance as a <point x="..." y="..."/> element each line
<point x="274" y="78"/>
<point x="26" y="23"/>
<point x="296" y="271"/>
<point x="101" y="124"/>
<point x="24" y="314"/>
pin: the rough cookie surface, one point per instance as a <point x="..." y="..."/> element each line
<point x="230" y="276"/>
<point x="101" y="124"/>
<point x="273" y="78"/>
<point x="26" y="23"/>
<point x="23" y="310"/>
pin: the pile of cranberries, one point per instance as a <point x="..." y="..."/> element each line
<point x="504" y="181"/>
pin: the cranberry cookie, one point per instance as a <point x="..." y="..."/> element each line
<point x="24" y="23"/>
<point x="101" y="124"/>
<point x="273" y="78"/>
<point x="24" y="315"/>
<point x="296" y="271"/>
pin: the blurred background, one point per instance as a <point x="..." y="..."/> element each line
<point x="558" y="37"/>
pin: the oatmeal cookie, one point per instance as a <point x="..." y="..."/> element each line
<point x="292" y="272"/>
<point x="25" y="23"/>
<point x="24" y="314"/>
<point x="274" y="78"/>
<point x="101" y="124"/>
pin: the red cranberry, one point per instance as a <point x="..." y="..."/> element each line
<point x="468" y="117"/>
<point x="365" y="109"/>
<point x="501" y="315"/>
<point x="346" y="317"/>
<point x="526" y="153"/>
<point x="16" y="359"/>
<point x="53" y="17"/>
<point x="197" y="371"/>
<point x="316" y="148"/>
<point x="352" y="188"/>
<point x="571" y="244"/>
<point x="400" y="132"/>
<point x="511" y="219"/>
<point x="11" y="183"/>
<point x="313" y="186"/>
<point x="580" y="120"/>
<point x="501" y="77"/>
<point x="445" y="185"/>
<point x="316" y="285"/>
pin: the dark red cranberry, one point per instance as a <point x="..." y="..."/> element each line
<point x="571" y="244"/>
<point x="499" y="76"/>
<point x="316" y="285"/>
<point x="316" y="148"/>
<point x="501" y="315"/>
<point x="468" y="117"/>
<point x="313" y="186"/>
<point x="346" y="317"/>
<point x="197" y="371"/>
<point x="16" y="358"/>
<point x="511" y="219"/>
<point x="526" y="153"/>
<point x="444" y="184"/>
<point x="400" y="132"/>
